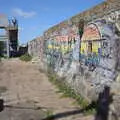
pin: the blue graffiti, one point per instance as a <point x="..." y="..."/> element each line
<point x="90" y="59"/>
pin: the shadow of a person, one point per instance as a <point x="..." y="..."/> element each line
<point x="1" y="105"/>
<point x="103" y="103"/>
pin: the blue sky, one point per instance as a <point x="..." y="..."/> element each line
<point x="36" y="16"/>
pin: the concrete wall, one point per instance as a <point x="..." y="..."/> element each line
<point x="35" y="47"/>
<point x="85" y="51"/>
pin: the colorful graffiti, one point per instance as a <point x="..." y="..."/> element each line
<point x="91" y="45"/>
<point x="91" y="32"/>
<point x="90" y="41"/>
<point x="59" y="48"/>
<point x="62" y="43"/>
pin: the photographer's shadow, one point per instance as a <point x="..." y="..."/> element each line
<point x="103" y="103"/>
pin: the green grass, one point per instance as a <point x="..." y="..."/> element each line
<point x="26" y="58"/>
<point x="49" y="115"/>
<point x="67" y="91"/>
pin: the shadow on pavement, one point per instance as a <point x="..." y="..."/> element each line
<point x="104" y="100"/>
<point x="70" y="113"/>
<point x="101" y="106"/>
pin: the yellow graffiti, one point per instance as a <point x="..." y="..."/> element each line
<point x="84" y="47"/>
<point x="50" y="46"/>
<point x="95" y="47"/>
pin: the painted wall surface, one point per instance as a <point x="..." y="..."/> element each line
<point x="60" y="46"/>
<point x="91" y="45"/>
<point x="91" y="32"/>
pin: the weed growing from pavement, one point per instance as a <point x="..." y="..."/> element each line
<point x="26" y="57"/>
<point x="49" y="115"/>
<point x="67" y="91"/>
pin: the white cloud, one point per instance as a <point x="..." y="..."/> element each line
<point x="22" y="13"/>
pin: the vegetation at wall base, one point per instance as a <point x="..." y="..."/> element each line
<point x="26" y="57"/>
<point x="67" y="91"/>
<point x="49" y="115"/>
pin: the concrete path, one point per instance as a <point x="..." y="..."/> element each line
<point x="22" y="84"/>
